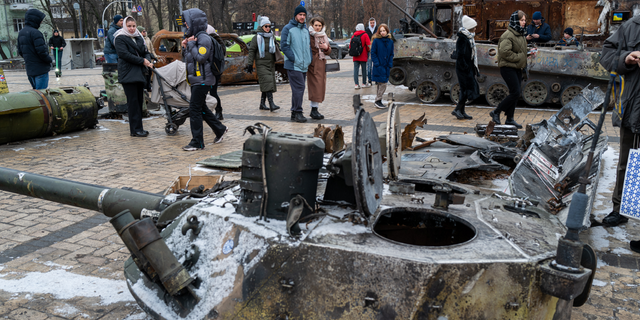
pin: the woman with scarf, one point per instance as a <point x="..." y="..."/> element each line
<point x="316" y="74"/>
<point x="382" y="60"/>
<point x="466" y="66"/>
<point x="265" y="52"/>
<point x="133" y="61"/>
<point x="512" y="58"/>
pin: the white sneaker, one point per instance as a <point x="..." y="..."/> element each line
<point x="357" y="86"/>
<point x="367" y="85"/>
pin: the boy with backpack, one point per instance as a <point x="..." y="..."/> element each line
<point x="202" y="57"/>
<point x="359" y="48"/>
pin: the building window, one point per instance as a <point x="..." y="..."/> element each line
<point x="18" y="1"/>
<point x="18" y="24"/>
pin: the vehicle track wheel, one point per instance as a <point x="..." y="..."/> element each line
<point x="535" y="93"/>
<point x="569" y="92"/>
<point x="428" y="92"/>
<point x="397" y="75"/>
<point x="496" y="93"/>
<point x="171" y="129"/>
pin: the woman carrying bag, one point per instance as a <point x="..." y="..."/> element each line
<point x="133" y="63"/>
<point x="466" y="66"/>
<point x="316" y="74"/>
<point x="382" y="58"/>
<point x="264" y="50"/>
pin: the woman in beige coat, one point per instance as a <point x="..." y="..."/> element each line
<point x="316" y="74"/>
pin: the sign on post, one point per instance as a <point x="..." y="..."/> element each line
<point x="238" y="25"/>
<point x="100" y="33"/>
<point x="178" y="20"/>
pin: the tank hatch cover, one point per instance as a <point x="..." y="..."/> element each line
<point x="393" y="141"/>
<point x="366" y="164"/>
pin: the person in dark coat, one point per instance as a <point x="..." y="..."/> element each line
<point x="198" y="56"/>
<point x="466" y="66"/>
<point x="110" y="53"/>
<point x="371" y="30"/>
<point x="317" y="73"/>
<point x="568" y="39"/>
<point x="264" y="51"/>
<point x="33" y="48"/>
<point x="627" y="65"/>
<point x="538" y="31"/>
<point x="56" y="41"/>
<point x="133" y="61"/>
<point x="382" y="60"/>
<point x="214" y="89"/>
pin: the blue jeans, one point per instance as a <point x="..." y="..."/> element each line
<point x="356" y="66"/>
<point x="39" y="82"/>
<point x="111" y="58"/>
<point x="369" y="67"/>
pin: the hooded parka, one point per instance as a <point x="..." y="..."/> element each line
<point x="198" y="54"/>
<point x="32" y="46"/>
<point x="266" y="67"/>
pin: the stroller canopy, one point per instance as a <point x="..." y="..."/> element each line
<point x="174" y="83"/>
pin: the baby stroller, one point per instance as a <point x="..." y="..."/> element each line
<point x="170" y="89"/>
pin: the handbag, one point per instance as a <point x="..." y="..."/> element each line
<point x="332" y="67"/>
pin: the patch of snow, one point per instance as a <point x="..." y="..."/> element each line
<point x="501" y="185"/>
<point x="139" y="316"/>
<point x="66" y="310"/>
<point x="599" y="283"/>
<point x="622" y="251"/>
<point x="205" y="169"/>
<point x="18" y="149"/>
<point x="606" y="183"/>
<point x="598" y="238"/>
<point x="58" y="266"/>
<point x="60" y="138"/>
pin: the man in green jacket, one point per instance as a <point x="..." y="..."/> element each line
<point x="295" y="43"/>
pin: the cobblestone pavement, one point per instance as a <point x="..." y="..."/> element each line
<point x="75" y="258"/>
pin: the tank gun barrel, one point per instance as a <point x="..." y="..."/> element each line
<point x="412" y="19"/>
<point x="109" y="201"/>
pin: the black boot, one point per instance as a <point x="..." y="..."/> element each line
<point x="634" y="246"/>
<point x="315" y="114"/>
<point x="456" y="112"/>
<point x="262" y="100"/>
<point x="495" y="116"/>
<point x="272" y="105"/>
<point x="297" y="116"/>
<point x="613" y="219"/>
<point x="513" y="123"/>
<point x="219" y="115"/>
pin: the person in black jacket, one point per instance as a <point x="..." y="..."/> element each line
<point x="33" y="48"/>
<point x="133" y="61"/>
<point x="56" y="41"/>
<point x="466" y="66"/>
<point x="538" y="31"/>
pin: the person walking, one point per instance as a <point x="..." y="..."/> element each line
<point x="57" y="42"/>
<point x="214" y="89"/>
<point x="512" y="58"/>
<point x="361" y="43"/>
<point x="371" y="30"/>
<point x="198" y="55"/>
<point x="466" y="66"/>
<point x="133" y="61"/>
<point x="382" y="57"/>
<point x="110" y="53"/>
<point x="317" y="80"/>
<point x="33" y="48"/>
<point x="295" y="42"/>
<point x="265" y="52"/>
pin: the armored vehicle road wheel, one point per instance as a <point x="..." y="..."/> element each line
<point x="569" y="92"/>
<point x="496" y="93"/>
<point x="397" y="76"/>
<point x="171" y="129"/>
<point x="454" y="94"/>
<point x="428" y="92"/>
<point x="535" y="93"/>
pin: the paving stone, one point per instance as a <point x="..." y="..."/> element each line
<point x="26" y="314"/>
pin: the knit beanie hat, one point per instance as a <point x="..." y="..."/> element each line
<point x="300" y="9"/>
<point x="141" y="28"/>
<point x="468" y="23"/>
<point x="117" y="18"/>
<point x="537" y="15"/>
<point x="265" y="20"/>
<point x="360" y="27"/>
<point x="569" y="31"/>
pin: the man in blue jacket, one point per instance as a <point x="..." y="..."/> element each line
<point x="538" y="31"/>
<point x="33" y="48"/>
<point x="110" y="54"/>
<point x="295" y="42"/>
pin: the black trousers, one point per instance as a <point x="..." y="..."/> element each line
<point x="214" y="93"/>
<point x="627" y="141"/>
<point x="513" y="78"/>
<point x="199" y="111"/>
<point x="135" y="98"/>
<point x="296" y="81"/>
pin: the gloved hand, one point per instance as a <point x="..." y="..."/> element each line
<point x="249" y="68"/>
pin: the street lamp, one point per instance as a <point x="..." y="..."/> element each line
<point x="76" y="6"/>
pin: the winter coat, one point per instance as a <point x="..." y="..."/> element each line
<point x="543" y="30"/>
<point x="57" y="42"/>
<point x="317" y="75"/>
<point x="512" y="50"/>
<point x="131" y="55"/>
<point x="369" y="33"/>
<point x="149" y="44"/>
<point x="32" y="46"/>
<point x="266" y="66"/>
<point x="109" y="45"/>
<point x="366" y="42"/>
<point x="198" y="54"/>
<point x="465" y="68"/>
<point x="294" y="41"/>
<point x="382" y="58"/>
<point x="569" y="42"/>
<point x="629" y="37"/>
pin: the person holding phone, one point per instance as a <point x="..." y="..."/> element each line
<point x="316" y="75"/>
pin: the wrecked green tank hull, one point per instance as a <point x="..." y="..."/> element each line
<point x="40" y="113"/>
<point x="116" y="99"/>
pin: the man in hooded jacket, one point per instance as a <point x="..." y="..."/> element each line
<point x="33" y="48"/>
<point x="56" y="41"/>
<point x="110" y="53"/>
<point x="295" y="42"/>
<point x="198" y="56"/>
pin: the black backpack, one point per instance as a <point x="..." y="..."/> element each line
<point x="219" y="52"/>
<point x="355" y="47"/>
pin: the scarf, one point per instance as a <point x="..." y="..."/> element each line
<point x="514" y="22"/>
<point x="373" y="30"/>
<point x="272" y="44"/>
<point x="319" y="37"/>
<point x="472" y="42"/>
<point x="123" y="30"/>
